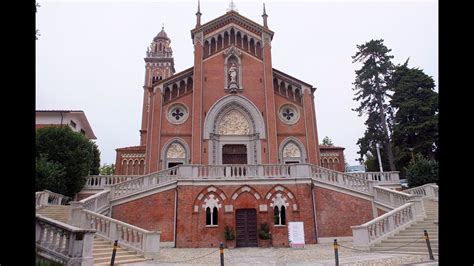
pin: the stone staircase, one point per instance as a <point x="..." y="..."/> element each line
<point x="102" y="253"/>
<point x="102" y="248"/>
<point x="413" y="232"/>
<point x="56" y="212"/>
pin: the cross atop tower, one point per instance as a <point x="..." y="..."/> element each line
<point x="232" y="6"/>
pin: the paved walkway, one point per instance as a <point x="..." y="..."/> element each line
<point x="316" y="255"/>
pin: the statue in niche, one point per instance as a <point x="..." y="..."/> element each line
<point x="233" y="77"/>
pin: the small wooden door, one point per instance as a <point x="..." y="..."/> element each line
<point x="246" y="227"/>
<point x="234" y="154"/>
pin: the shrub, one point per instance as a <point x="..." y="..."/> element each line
<point x="229" y="233"/>
<point x="264" y="232"/>
<point x="422" y="171"/>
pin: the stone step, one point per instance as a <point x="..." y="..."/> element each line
<point x="118" y="258"/>
<point x="414" y="234"/>
<point x="408" y="244"/>
<point x="100" y="253"/>
<point x="123" y="261"/>
<point x="408" y="238"/>
<point x="423" y="250"/>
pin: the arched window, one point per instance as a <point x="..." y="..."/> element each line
<point x="208" y="216"/>
<point x="291" y="153"/>
<point x="214" y="220"/>
<point x="175" y="154"/>
<point x="212" y="216"/>
<point x="280" y="204"/>
<point x="279" y="215"/>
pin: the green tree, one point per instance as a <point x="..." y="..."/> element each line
<point x="371" y="86"/>
<point x="422" y="171"/>
<point x="60" y="148"/>
<point x="327" y="141"/>
<point x="49" y="175"/>
<point x="107" y="169"/>
<point x="416" y="118"/>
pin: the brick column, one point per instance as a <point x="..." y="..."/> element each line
<point x="270" y="113"/>
<point x="197" y="119"/>
<point x="311" y="128"/>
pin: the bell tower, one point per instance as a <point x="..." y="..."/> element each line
<point x="159" y="65"/>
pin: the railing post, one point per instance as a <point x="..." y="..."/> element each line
<point x="336" y="254"/>
<point x="429" y="191"/>
<point x="112" y="230"/>
<point x="75" y="214"/>
<point x="429" y="245"/>
<point x="114" y="250"/>
<point x="360" y="237"/>
<point x="221" y="251"/>
<point x="44" y="199"/>
<point x="87" y="244"/>
<point x="151" y="244"/>
<point x="418" y="208"/>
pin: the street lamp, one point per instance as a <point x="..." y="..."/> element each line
<point x="378" y="155"/>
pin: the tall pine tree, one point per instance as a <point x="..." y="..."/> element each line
<point x="416" y="117"/>
<point x="371" y="86"/>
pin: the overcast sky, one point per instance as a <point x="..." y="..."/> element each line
<point x="90" y="54"/>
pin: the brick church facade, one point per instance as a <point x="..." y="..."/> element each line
<point x="240" y="131"/>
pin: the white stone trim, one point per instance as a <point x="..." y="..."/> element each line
<point x="171" y="119"/>
<point x="296" y="111"/>
<point x="227" y="101"/>
<point x="228" y="208"/>
<point x="164" y="159"/>
<point x="299" y="144"/>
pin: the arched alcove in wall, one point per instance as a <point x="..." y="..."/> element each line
<point x="234" y="120"/>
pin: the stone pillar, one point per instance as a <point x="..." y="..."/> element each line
<point x="152" y="245"/>
<point x="75" y="214"/>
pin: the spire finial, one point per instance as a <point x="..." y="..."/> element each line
<point x="198" y="15"/>
<point x="232" y="6"/>
<point x="162" y="26"/>
<point x="264" y="16"/>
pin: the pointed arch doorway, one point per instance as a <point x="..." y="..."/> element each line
<point x="234" y="128"/>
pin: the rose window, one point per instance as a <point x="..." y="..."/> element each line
<point x="289" y="114"/>
<point x="177" y="114"/>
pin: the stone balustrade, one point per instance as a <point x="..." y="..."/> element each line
<point x="341" y="179"/>
<point x="64" y="243"/>
<point x="386" y="225"/>
<point x="381" y="177"/>
<point x="144" y="182"/>
<point x="46" y="197"/>
<point x="97" y="202"/>
<point x="427" y="190"/>
<point x="143" y="241"/>
<point x="390" y="197"/>
<point x="101" y="181"/>
<point x="236" y="171"/>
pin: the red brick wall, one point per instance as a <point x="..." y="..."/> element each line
<point x="381" y="212"/>
<point x="155" y="212"/>
<point x="337" y="212"/>
<point x="192" y="230"/>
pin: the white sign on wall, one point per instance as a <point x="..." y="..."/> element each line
<point x="296" y="234"/>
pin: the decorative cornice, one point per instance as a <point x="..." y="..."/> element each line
<point x="231" y="17"/>
<point x="133" y="155"/>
